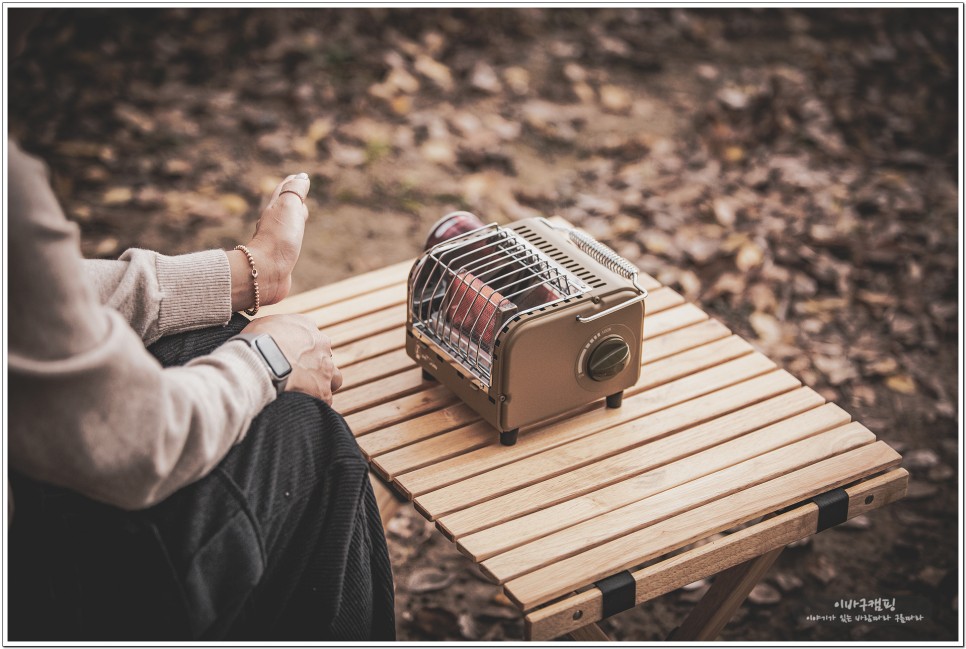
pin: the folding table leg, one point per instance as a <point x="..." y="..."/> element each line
<point x="729" y="590"/>
<point x="589" y="633"/>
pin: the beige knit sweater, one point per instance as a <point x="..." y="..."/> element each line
<point x="89" y="407"/>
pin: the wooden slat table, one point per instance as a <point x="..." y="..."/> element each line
<point x="713" y="438"/>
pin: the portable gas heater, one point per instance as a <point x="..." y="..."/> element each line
<point x="526" y="321"/>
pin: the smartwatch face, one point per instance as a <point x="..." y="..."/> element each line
<point x="273" y="356"/>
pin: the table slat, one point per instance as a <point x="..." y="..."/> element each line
<point x="382" y="391"/>
<point x="707" y="560"/>
<point x="545" y="584"/>
<point x="405" y="410"/>
<point x="330" y="315"/>
<point x="676" y="318"/>
<point x="391" y="318"/>
<point x="654" y="373"/>
<point x="491" y="455"/>
<point x="375" y="368"/>
<point x="602" y="444"/>
<point x="744" y="472"/>
<point x="359" y="350"/>
<point x="489" y="528"/>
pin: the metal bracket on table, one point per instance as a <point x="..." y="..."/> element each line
<point x="833" y="508"/>
<point x="619" y="593"/>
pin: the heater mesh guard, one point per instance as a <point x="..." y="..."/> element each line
<point x="464" y="291"/>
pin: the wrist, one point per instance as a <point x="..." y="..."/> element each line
<point x="242" y="288"/>
<point x="274" y="359"/>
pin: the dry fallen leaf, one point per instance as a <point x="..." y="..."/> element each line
<point x="117" y="196"/>
<point x="427" y="580"/>
<point x="734" y="154"/>
<point x="484" y="78"/>
<point x="518" y="79"/>
<point x="437" y="72"/>
<point x="749" y="256"/>
<point x="837" y="369"/>
<point x="438" y="151"/>
<point x="876" y="298"/>
<point x="768" y="328"/>
<point x="318" y="130"/>
<point x="235" y="204"/>
<point x="347" y="156"/>
<point x="764" y="595"/>
<point x="882" y="367"/>
<point x="403" y="81"/>
<point x="901" y="383"/>
<point x="615" y="99"/>
<point x="823" y="570"/>
<point x="401" y="105"/>
<point x="135" y="118"/>
<point x="107" y="247"/>
<point x="724" y="211"/>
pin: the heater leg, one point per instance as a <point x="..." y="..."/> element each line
<point x="427" y="376"/>
<point x="614" y="400"/>
<point x="509" y="438"/>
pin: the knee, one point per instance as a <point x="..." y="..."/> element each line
<point x="314" y="422"/>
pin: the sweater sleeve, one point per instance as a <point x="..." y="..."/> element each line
<point x="89" y="408"/>
<point x="160" y="295"/>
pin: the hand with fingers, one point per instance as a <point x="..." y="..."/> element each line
<point x="273" y="251"/>
<point x="274" y="248"/>
<point x="307" y="350"/>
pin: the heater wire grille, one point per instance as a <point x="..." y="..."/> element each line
<point x="465" y="290"/>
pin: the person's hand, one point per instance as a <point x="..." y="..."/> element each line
<point x="275" y="246"/>
<point x="308" y="351"/>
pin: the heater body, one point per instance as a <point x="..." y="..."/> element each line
<point x="525" y="323"/>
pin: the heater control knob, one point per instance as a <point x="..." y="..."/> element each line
<point x="608" y="359"/>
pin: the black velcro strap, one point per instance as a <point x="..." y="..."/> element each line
<point x="619" y="591"/>
<point x="833" y="508"/>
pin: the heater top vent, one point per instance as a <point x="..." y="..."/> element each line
<point x="566" y="260"/>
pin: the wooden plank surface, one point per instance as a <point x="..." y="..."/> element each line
<point x="657" y="369"/>
<point x="407" y="411"/>
<point x="545" y="584"/>
<point x="488" y="454"/>
<point x="589" y="633"/>
<point x="357" y="351"/>
<point x="381" y="391"/>
<point x="328" y="316"/>
<point x="598" y="444"/>
<point x="561" y="617"/>
<point x="502" y="523"/>
<point x="375" y="368"/>
<point x="391" y="318"/>
<point x="740" y="474"/>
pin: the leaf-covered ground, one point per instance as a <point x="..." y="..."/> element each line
<point x="793" y="171"/>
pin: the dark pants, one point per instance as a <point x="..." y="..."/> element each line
<point x="282" y="541"/>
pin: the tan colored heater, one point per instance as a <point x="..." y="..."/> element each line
<point x="526" y="321"/>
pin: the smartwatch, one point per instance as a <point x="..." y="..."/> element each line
<point x="266" y="347"/>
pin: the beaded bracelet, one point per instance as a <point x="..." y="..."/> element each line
<point x="251" y="262"/>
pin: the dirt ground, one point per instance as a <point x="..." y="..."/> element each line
<point x="793" y="171"/>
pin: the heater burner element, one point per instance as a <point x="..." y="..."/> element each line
<point x="476" y="309"/>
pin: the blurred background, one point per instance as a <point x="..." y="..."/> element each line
<point x="793" y="171"/>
